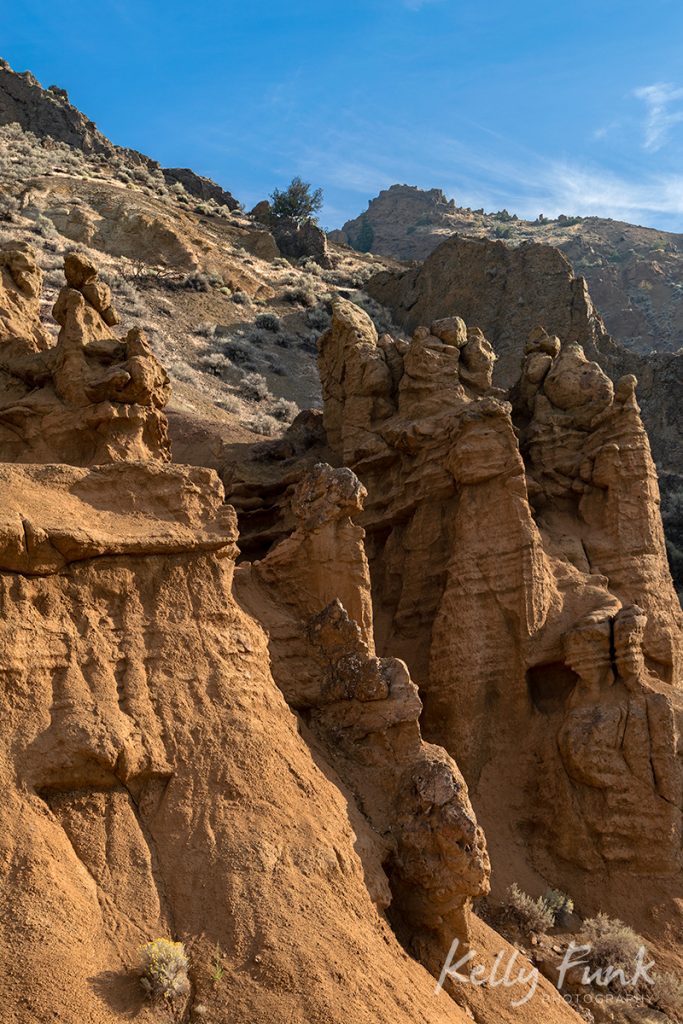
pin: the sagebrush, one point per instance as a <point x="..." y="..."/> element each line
<point x="164" y="969"/>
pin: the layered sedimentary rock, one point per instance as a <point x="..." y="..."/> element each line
<point x="518" y="567"/>
<point x="91" y="398"/>
<point x="154" y="781"/>
<point x="507" y="292"/>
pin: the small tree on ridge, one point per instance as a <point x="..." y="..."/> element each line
<point x="297" y="202"/>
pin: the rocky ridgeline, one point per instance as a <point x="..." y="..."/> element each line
<point x="48" y="114"/>
<point x="633" y="272"/>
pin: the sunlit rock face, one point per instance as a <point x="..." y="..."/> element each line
<point x="155" y="781"/>
<point x="518" y="566"/>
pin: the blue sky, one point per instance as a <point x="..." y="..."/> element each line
<point x="539" y="107"/>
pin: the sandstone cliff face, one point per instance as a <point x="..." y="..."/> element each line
<point x="154" y="780"/>
<point x="506" y="292"/>
<point x="518" y="566"/>
<point x="312" y="592"/>
<point x="143" y="793"/>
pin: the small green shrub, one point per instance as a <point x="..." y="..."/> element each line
<point x="205" y="330"/>
<point x="319" y="318"/>
<point x="164" y="969"/>
<point x="268" y="322"/>
<point x="667" y="994"/>
<point x="558" y="902"/>
<point x="284" y="410"/>
<point x="217" y="970"/>
<point x="301" y="296"/>
<point x="526" y="913"/>
<point x="254" y="386"/>
<point x="240" y="353"/>
<point x="287" y="340"/>
<point x="215" y="363"/>
<point x="613" y="945"/>
<point x="261" y="423"/>
<point x="200" y="282"/>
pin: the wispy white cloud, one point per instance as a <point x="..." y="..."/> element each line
<point x="659" y="118"/>
<point x="364" y="178"/>
<point x="603" y="130"/>
<point x="594" y="191"/>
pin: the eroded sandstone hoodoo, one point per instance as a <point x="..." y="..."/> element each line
<point x="516" y="549"/>
<point x="90" y="399"/>
<point x="508" y="291"/>
<point x="365" y="710"/>
<point x="153" y="779"/>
